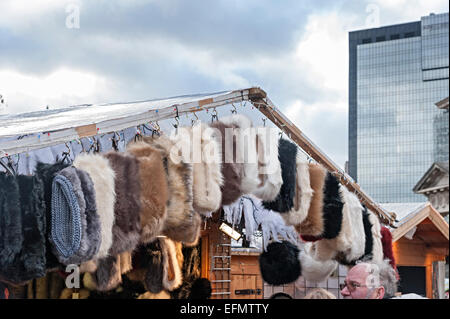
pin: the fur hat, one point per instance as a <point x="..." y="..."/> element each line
<point x="246" y="152"/>
<point x="154" y="189"/>
<point x="153" y="261"/>
<point x="93" y="228"/>
<point x="386" y="241"/>
<point x="231" y="169"/>
<point x="47" y="172"/>
<point x="22" y="225"/>
<point x="201" y="289"/>
<point x="172" y="276"/>
<point x="269" y="167"/>
<point x="351" y="241"/>
<point x="103" y="177"/>
<point x="313" y="224"/>
<point x="280" y="265"/>
<point x="127" y="220"/>
<point x="303" y="195"/>
<point x="182" y="222"/>
<point x="312" y="269"/>
<point x="287" y="154"/>
<point x="324" y="220"/>
<point x="108" y="275"/>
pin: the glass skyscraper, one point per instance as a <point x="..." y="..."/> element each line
<point x="396" y="75"/>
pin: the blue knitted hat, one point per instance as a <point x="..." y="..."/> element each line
<point x="66" y="225"/>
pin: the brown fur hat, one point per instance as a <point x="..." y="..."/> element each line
<point x="313" y="224"/>
<point x="231" y="170"/>
<point x="182" y="222"/>
<point x="154" y="189"/>
<point x="127" y="223"/>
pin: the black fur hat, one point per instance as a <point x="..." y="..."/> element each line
<point x="22" y="228"/>
<point x="153" y="261"/>
<point x="332" y="207"/>
<point x="201" y="289"/>
<point x="47" y="172"/>
<point x="280" y="263"/>
<point x="287" y="154"/>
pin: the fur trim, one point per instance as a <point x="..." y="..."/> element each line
<point x="386" y="241"/>
<point x="182" y="222"/>
<point x="201" y="289"/>
<point x="246" y="152"/>
<point x="127" y="221"/>
<point x="154" y="189"/>
<point x="172" y="277"/>
<point x="368" y="248"/>
<point x="313" y="224"/>
<point x="303" y="195"/>
<point x="377" y="250"/>
<point x="103" y="178"/>
<point x="279" y="265"/>
<point x="231" y="169"/>
<point x="332" y="208"/>
<point x="312" y="269"/>
<point x="269" y="167"/>
<point x="93" y="229"/>
<point x="287" y="154"/>
<point x="47" y="172"/>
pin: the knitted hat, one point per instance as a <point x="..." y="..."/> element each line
<point x="75" y="230"/>
<point x="246" y="152"/>
<point x="47" y="172"/>
<point x="269" y="167"/>
<point x="280" y="265"/>
<point x="127" y="221"/>
<point x="182" y="222"/>
<point x="287" y="154"/>
<point x="103" y="178"/>
<point x="231" y="169"/>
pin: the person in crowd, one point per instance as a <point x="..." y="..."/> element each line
<point x="370" y="280"/>
<point x="320" y="293"/>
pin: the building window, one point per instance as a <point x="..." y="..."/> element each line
<point x="410" y="34"/>
<point x="367" y="40"/>
<point x="395" y="36"/>
<point x="380" y="39"/>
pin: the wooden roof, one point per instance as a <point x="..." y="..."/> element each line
<point x="431" y="228"/>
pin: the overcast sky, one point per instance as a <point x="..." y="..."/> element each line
<point x="127" y="50"/>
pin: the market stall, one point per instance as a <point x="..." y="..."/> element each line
<point x="101" y="187"/>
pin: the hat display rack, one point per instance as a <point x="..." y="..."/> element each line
<point x="32" y="140"/>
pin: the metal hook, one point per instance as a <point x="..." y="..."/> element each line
<point x="196" y="119"/>
<point x="264" y="121"/>
<point x="214" y="115"/>
<point x="234" y="110"/>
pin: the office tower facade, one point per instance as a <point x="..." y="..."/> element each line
<point x="396" y="75"/>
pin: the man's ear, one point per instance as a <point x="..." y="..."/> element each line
<point x="380" y="293"/>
